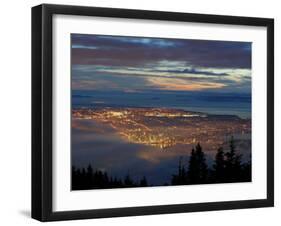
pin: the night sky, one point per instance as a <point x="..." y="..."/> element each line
<point x="136" y="64"/>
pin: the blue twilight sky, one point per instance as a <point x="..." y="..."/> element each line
<point x="136" y="64"/>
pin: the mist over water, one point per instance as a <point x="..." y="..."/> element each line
<point x="106" y="151"/>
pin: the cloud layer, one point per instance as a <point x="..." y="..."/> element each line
<point x="133" y="63"/>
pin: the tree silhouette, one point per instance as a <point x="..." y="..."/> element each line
<point x="193" y="168"/>
<point x="246" y="174"/>
<point x="181" y="177"/>
<point x="233" y="165"/>
<point x="143" y="182"/>
<point x="227" y="167"/>
<point x="128" y="182"/>
<point x="197" y="169"/>
<point x="89" y="176"/>
<point x="219" y="166"/>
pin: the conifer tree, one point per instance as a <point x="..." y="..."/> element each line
<point x="219" y="166"/>
<point x="233" y="165"/>
<point x="192" y="167"/>
<point x="143" y="182"/>
<point x="197" y="169"/>
<point x="128" y="182"/>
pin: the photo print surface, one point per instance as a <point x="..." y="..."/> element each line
<point x="159" y="112"/>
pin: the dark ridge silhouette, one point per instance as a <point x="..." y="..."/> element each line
<point x="83" y="179"/>
<point x="227" y="168"/>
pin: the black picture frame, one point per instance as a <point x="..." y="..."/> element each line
<point x="42" y="107"/>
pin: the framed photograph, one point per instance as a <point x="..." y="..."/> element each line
<point x="145" y="112"/>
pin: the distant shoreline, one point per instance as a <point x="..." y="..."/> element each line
<point x="209" y="103"/>
<point x="120" y="107"/>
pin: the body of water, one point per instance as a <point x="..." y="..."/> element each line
<point x="207" y="102"/>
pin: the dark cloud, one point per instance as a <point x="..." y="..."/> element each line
<point x="197" y="72"/>
<point x="138" y="63"/>
<point x="134" y="51"/>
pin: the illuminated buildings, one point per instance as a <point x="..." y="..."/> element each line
<point x="165" y="128"/>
